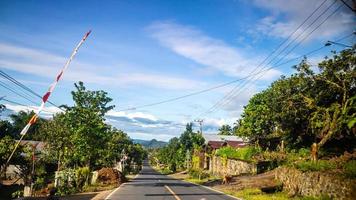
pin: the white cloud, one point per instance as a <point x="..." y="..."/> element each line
<point x="44" y="64"/>
<point x="131" y="115"/>
<point x="47" y="111"/>
<point x="212" y="53"/>
<point x="140" y="125"/>
<point x="284" y="18"/>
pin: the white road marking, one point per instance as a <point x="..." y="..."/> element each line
<point x="171" y="191"/>
<point x="109" y="196"/>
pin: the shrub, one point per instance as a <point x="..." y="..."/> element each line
<point x="198" y="174"/>
<point x="320" y="165"/>
<point x="166" y="171"/>
<point x="82" y="176"/>
<point x="350" y="169"/>
<point x="64" y="190"/>
<point x="39" y="183"/>
<point x="245" y="153"/>
<point x="17" y="194"/>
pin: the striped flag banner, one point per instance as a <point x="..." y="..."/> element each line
<point x="53" y="86"/>
<point x="46" y="96"/>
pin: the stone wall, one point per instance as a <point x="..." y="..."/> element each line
<point x="315" y="184"/>
<point x="219" y="166"/>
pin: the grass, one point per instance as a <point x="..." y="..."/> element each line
<point x="320" y="165"/>
<point x="350" y="169"/>
<point x="201" y="181"/>
<point x="164" y="171"/>
<point x="257" y="194"/>
<point x="98" y="187"/>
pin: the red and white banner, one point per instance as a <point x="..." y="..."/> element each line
<point x="53" y="85"/>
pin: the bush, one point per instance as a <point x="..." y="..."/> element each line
<point x="245" y="153"/>
<point x="166" y="171"/>
<point x="17" y="194"/>
<point x="39" y="183"/>
<point x="82" y="176"/>
<point x="64" y="190"/>
<point x="198" y="174"/>
<point x="320" y="165"/>
<point x="350" y="169"/>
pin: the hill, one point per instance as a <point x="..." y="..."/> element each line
<point x="150" y="143"/>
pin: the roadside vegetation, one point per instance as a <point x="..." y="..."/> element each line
<point x="76" y="142"/>
<point x="305" y="121"/>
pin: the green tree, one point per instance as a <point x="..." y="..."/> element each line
<point x="117" y="142"/>
<point x="5" y="128"/>
<point x="87" y="124"/>
<point x="331" y="95"/>
<point x="225" y="130"/>
<point x="56" y="133"/>
<point x="306" y="107"/>
<point x="19" y="121"/>
<point x="2" y="107"/>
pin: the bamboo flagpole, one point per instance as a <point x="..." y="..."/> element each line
<point x="46" y="96"/>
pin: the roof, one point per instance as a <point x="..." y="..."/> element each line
<point x="236" y="144"/>
<point x="216" y="144"/>
<point x="221" y="138"/>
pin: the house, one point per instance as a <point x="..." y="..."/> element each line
<point x="214" y="142"/>
<point x="12" y="171"/>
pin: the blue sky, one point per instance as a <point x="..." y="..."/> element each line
<point x="142" y="52"/>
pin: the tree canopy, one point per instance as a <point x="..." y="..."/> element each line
<point x="312" y="105"/>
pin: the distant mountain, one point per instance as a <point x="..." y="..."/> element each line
<point x="150" y="143"/>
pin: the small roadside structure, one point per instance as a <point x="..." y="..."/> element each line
<point x="214" y="142"/>
<point x="37" y="147"/>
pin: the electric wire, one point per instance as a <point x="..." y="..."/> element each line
<point x="236" y="89"/>
<point x="211" y="88"/>
<point x="20" y="104"/>
<point x="3" y="84"/>
<point x="19" y="84"/>
<point x="231" y="94"/>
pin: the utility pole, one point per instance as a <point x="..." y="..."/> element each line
<point x="200" y="121"/>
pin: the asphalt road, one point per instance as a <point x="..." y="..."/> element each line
<point x="151" y="185"/>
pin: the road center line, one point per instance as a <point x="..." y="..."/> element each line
<point x="171" y="191"/>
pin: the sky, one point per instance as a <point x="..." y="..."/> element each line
<point x="142" y="52"/>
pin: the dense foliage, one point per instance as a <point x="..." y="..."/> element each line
<point x="307" y="107"/>
<point x="244" y="153"/>
<point x="76" y="139"/>
<point x="178" y="152"/>
<point x="225" y="130"/>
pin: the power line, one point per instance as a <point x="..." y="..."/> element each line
<point x="13" y="91"/>
<point x="215" y="87"/>
<point x="296" y="45"/>
<point x="20" y="104"/>
<point x="19" y="84"/>
<point x="230" y="94"/>
<point x="234" y="81"/>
